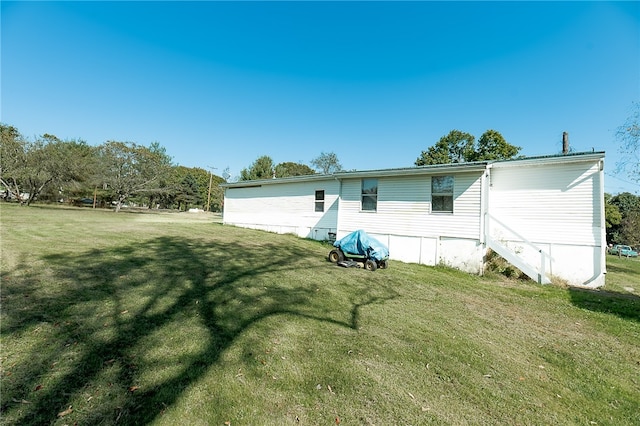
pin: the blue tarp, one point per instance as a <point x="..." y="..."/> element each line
<point x="359" y="242"/>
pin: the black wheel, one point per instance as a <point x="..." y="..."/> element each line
<point x="336" y="256"/>
<point x="384" y="264"/>
<point x="370" y="265"/>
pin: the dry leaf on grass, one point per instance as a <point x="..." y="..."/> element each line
<point x="65" y="412"/>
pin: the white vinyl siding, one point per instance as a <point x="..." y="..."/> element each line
<point x="547" y="203"/>
<point x="404" y="206"/>
<point x="284" y="208"/>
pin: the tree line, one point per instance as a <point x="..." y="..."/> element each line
<point x="264" y="168"/>
<point x="49" y="169"/>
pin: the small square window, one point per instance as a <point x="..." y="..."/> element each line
<point x="320" y="200"/>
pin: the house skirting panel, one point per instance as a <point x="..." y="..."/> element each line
<point x="315" y="233"/>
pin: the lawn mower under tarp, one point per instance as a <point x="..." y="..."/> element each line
<point x="360" y="250"/>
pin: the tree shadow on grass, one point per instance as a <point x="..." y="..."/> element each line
<point x="100" y="307"/>
<point x="626" y="306"/>
<point x="622" y="269"/>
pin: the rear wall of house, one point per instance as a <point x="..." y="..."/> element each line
<point x="284" y="208"/>
<point x="559" y="209"/>
<point x="405" y="221"/>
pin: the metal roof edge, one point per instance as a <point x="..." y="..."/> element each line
<point x="260" y="182"/>
<point x="417" y="170"/>
<point x="573" y="157"/>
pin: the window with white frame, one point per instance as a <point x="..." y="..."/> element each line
<point x="369" y="194"/>
<point x="442" y="194"/>
<point x="320" y="200"/>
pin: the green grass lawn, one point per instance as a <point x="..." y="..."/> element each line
<point x="172" y="318"/>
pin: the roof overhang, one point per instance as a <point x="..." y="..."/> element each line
<point x="261" y="182"/>
<point x="407" y="171"/>
<point x="579" y="157"/>
<point x="476" y="166"/>
<point x="420" y="170"/>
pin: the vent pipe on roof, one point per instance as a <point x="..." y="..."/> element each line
<point x="565" y="143"/>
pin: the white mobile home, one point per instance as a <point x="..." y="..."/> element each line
<point x="545" y="215"/>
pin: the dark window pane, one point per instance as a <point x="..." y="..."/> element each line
<point x="442" y="203"/>
<point x="442" y="184"/>
<point x="319" y="206"/>
<point x="369" y="186"/>
<point x="369" y="202"/>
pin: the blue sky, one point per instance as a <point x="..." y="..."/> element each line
<point x="219" y="84"/>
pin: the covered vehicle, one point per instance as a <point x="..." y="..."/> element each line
<point x="360" y="247"/>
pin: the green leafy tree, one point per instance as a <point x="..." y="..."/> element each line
<point x="628" y="136"/>
<point x="460" y="147"/>
<point x="71" y="165"/>
<point x="128" y="169"/>
<point x="493" y="146"/>
<point x="456" y="147"/>
<point x="293" y="169"/>
<point x="188" y="193"/>
<point x="210" y="191"/>
<point x="611" y="212"/>
<point x="262" y="168"/>
<point x="154" y="196"/>
<point x="628" y="229"/>
<point x="13" y="162"/>
<point x="28" y="168"/>
<point x="170" y="186"/>
<point x="203" y="178"/>
<point x="327" y="163"/>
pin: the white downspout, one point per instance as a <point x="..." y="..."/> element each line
<point x="485" y="180"/>
<point x="339" y="204"/>
<point x="603" y="231"/>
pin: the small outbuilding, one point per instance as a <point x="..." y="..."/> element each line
<point x="545" y="215"/>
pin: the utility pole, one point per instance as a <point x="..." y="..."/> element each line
<point x="211" y="169"/>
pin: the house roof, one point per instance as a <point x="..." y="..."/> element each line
<point x="572" y="157"/>
<point x="475" y="166"/>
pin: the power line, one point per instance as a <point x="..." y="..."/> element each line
<point x="622" y="180"/>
